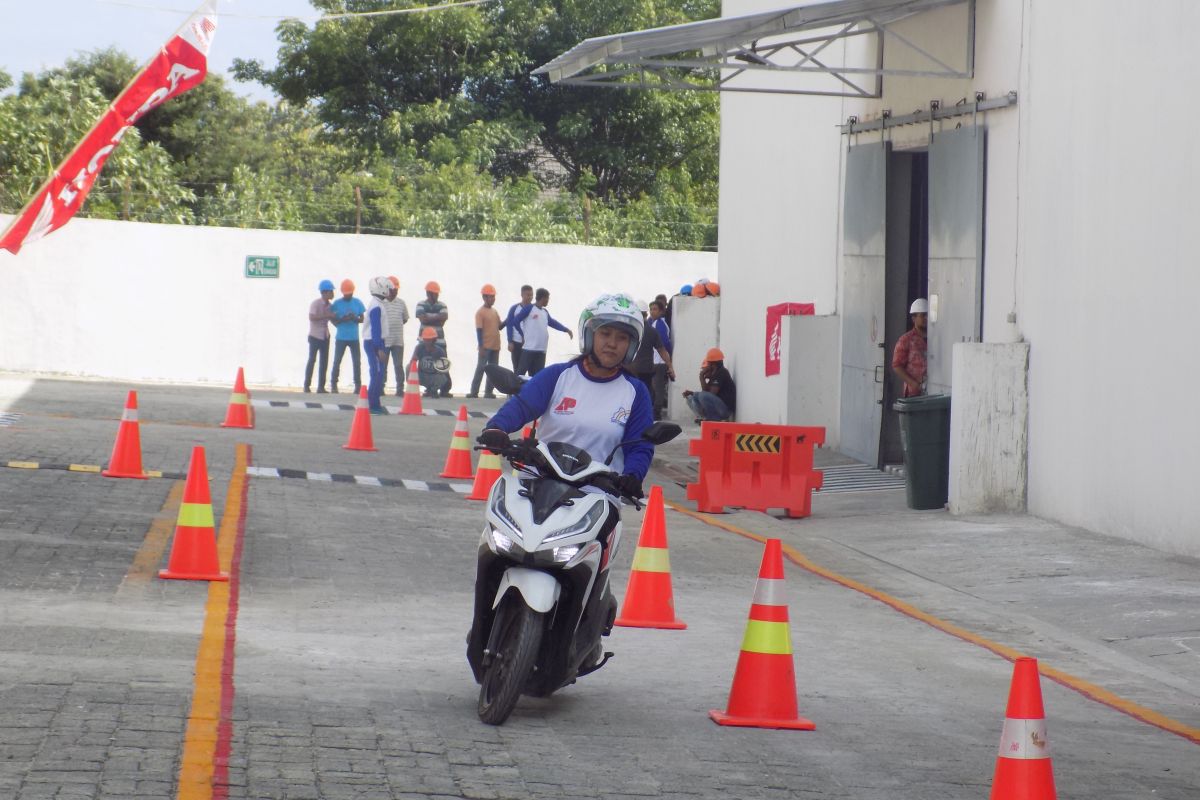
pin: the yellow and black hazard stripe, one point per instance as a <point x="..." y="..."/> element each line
<point x="93" y="469"/>
<point x="756" y="443"/>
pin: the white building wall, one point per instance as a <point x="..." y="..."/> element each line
<point x="170" y="302"/>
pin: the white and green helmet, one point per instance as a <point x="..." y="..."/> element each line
<point x="611" y="309"/>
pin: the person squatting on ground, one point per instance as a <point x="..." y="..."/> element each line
<point x="516" y="341"/>
<point x="649" y="351"/>
<point x="487" y="336"/>
<point x="397" y="315"/>
<point x="908" y="359"/>
<point x="433" y="368"/>
<point x="319" y="317"/>
<point x="348" y="312"/>
<point x="432" y="313"/>
<point x="534" y="322"/>
<point x="591" y="401"/>
<point x="717" y="399"/>
<point x="375" y="333"/>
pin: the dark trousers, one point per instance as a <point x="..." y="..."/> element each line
<point x="532" y="362"/>
<point x="660" y="390"/>
<point x="338" y="351"/>
<point x="516" y="356"/>
<point x="397" y="355"/>
<point x="486" y="357"/>
<point x="316" y="348"/>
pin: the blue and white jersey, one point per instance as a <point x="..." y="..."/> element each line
<point x="375" y="329"/>
<point x="591" y="413"/>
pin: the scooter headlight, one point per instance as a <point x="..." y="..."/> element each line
<point x="565" y="553"/>
<point x="498" y="541"/>
<point x="502" y="512"/>
<point x="586" y="522"/>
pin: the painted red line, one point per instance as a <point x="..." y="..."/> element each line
<point x="224" y="745"/>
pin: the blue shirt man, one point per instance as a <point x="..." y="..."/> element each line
<point x="347" y="312"/>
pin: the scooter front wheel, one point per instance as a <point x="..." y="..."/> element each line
<point x="518" y="635"/>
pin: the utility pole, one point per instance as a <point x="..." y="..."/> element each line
<point x="587" y="218"/>
<point x="357" y="210"/>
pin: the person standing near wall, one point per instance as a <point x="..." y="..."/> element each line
<point x="397" y="315"/>
<point x="348" y="312"/>
<point x="375" y="333"/>
<point x="535" y="322"/>
<point x="487" y="335"/>
<point x="717" y="399"/>
<point x="662" y="370"/>
<point x="908" y="359"/>
<point x="432" y="313"/>
<point x="319" y="317"/>
<point x="650" y="346"/>
<point x="516" y="340"/>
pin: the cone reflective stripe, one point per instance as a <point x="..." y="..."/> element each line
<point x="1023" y="766"/>
<point x="764" y="683"/>
<point x="649" y="601"/>
<point x="194" y="548"/>
<point x="126" y="460"/>
<point x="485" y="475"/>
<point x="412" y="392"/>
<point x="361" y="437"/>
<point x="458" y="460"/>
<point x="239" y="415"/>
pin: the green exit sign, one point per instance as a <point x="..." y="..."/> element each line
<point x="262" y="266"/>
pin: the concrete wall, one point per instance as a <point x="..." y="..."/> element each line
<point x="694" y="325"/>
<point x="811" y="371"/>
<point x="991" y="393"/>
<point x="171" y="303"/>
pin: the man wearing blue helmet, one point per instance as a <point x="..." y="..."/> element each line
<point x="319" y="317"/>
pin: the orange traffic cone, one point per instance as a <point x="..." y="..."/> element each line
<point x="649" y="602"/>
<point x="485" y="475"/>
<point x="458" y="460"/>
<point x="126" y="461"/>
<point x="194" y="551"/>
<point x="1023" y="770"/>
<point x="360" y="428"/>
<point x="238" y="415"/>
<point x="412" y="392"/>
<point x="764" y="684"/>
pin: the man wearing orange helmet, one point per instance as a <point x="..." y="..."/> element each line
<point x="487" y="335"/>
<point x="432" y="313"/>
<point x="717" y="398"/>
<point x="348" y="312"/>
<point x="433" y="368"/>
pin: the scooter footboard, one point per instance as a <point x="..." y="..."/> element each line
<point x="539" y="589"/>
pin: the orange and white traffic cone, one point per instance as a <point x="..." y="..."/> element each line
<point x="239" y="415"/>
<point x="764" y="683"/>
<point x="194" y="550"/>
<point x="360" y="429"/>
<point x="649" y="602"/>
<point x="1023" y="769"/>
<point x="485" y="475"/>
<point x="458" y="460"/>
<point x="412" y="392"/>
<point x="126" y="461"/>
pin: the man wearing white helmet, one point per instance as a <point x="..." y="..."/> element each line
<point x="375" y="334"/>
<point x="591" y="401"/>
<point x="908" y="359"/>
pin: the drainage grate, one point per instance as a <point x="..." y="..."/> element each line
<point x="859" y="478"/>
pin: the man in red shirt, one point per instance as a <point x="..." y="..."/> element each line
<point x="908" y="360"/>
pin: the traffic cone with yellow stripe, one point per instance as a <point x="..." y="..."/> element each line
<point x="649" y="602"/>
<point x="1023" y="770"/>
<point x="458" y="460"/>
<point x="194" y="550"/>
<point x="485" y="475"/>
<point x="361" y="437"/>
<point x="126" y="461"/>
<point x="412" y="392"/>
<point x="239" y="415"/>
<point x="764" y="683"/>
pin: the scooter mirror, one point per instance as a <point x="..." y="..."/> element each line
<point x="661" y="432"/>
<point x="504" y="379"/>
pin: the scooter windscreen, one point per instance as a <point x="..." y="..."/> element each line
<point x="571" y="460"/>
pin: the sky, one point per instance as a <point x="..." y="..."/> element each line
<point x="40" y="34"/>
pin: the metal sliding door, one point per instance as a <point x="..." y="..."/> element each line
<point x="864" y="252"/>
<point x="956" y="184"/>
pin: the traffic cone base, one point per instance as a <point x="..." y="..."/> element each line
<point x="485" y="475"/>
<point x="361" y="437"/>
<point x="194" y="548"/>
<point x="238" y="415"/>
<point x="458" y="459"/>
<point x="649" y="601"/>
<point x="126" y="459"/>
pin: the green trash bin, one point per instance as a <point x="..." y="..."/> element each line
<point x="925" y="436"/>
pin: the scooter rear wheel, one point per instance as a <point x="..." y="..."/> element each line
<point x="518" y="636"/>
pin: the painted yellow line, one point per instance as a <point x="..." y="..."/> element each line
<point x="198" y="763"/>
<point x="84" y="467"/>
<point x="149" y="555"/>
<point x="23" y="464"/>
<point x="1085" y="688"/>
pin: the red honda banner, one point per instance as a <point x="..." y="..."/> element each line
<point x="775" y="315"/>
<point x="181" y="64"/>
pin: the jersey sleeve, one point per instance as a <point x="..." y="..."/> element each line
<point x="639" y="454"/>
<point x="531" y="403"/>
<point x="558" y="326"/>
<point x="375" y="326"/>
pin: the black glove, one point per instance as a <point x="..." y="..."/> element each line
<point x="630" y="486"/>
<point x="494" y="439"/>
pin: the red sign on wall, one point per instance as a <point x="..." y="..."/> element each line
<point x="775" y="315"/>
